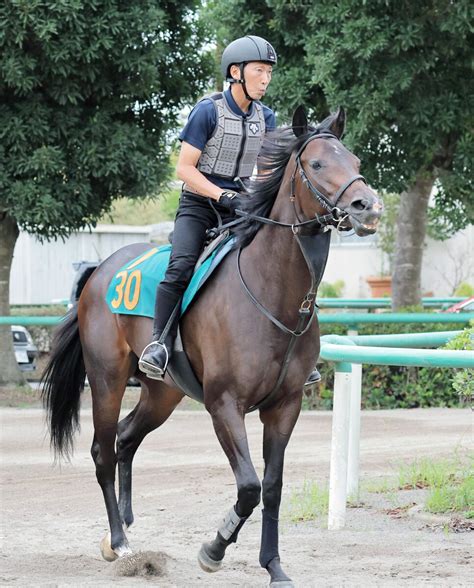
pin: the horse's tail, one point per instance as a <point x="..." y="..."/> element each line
<point x="62" y="383"/>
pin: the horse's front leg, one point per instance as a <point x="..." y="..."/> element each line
<point x="228" y="420"/>
<point x="278" y="425"/>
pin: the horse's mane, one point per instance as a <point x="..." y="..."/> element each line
<point x="276" y="151"/>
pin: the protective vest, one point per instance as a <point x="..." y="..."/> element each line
<point x="235" y="143"/>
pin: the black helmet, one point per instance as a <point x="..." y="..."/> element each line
<point x="245" y="49"/>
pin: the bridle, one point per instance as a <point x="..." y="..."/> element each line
<point x="336" y="215"/>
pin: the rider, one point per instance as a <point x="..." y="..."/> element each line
<point x="219" y="148"/>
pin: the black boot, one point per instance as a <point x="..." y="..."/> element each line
<point x="154" y="360"/>
<point x="155" y="357"/>
<point x="313" y="378"/>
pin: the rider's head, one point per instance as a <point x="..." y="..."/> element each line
<point x="249" y="61"/>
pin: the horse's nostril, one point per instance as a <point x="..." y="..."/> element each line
<point x="361" y="204"/>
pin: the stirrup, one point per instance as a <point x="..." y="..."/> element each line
<point x="150" y="369"/>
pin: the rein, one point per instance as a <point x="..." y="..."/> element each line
<point x="335" y="218"/>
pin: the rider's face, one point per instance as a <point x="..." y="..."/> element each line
<point x="257" y="77"/>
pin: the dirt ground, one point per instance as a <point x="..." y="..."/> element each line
<point x="53" y="518"/>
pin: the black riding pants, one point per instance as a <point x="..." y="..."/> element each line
<point x="194" y="217"/>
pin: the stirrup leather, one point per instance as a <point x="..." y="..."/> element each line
<point x="150" y="369"/>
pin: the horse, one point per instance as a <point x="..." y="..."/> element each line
<point x="252" y="336"/>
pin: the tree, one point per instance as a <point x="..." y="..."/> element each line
<point x="403" y="71"/>
<point x="89" y="92"/>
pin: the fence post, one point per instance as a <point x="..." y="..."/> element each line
<point x="354" y="433"/>
<point x="339" y="446"/>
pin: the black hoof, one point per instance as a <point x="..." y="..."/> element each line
<point x="278" y="577"/>
<point x="205" y="560"/>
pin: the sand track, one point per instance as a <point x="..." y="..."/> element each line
<point x="54" y="518"/>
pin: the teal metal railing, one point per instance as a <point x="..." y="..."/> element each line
<point x="382" y="302"/>
<point x="351" y="319"/>
<point x="349" y="352"/>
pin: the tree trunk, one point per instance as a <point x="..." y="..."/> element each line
<point x="410" y="237"/>
<point x="9" y="371"/>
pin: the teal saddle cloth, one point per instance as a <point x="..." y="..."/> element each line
<point x="132" y="290"/>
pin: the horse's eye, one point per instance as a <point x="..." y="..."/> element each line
<point x="315" y="164"/>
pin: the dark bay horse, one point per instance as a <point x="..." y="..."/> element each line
<point x="249" y="336"/>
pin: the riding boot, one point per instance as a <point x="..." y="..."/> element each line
<point x="313" y="378"/>
<point x="155" y="357"/>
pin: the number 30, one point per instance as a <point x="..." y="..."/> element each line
<point x="128" y="283"/>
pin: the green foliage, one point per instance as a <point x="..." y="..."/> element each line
<point x="401" y="69"/>
<point x="89" y="92"/>
<point x="463" y="380"/>
<point x="386" y="233"/>
<point x="308" y="503"/>
<point x="450" y="482"/>
<point x="464" y="289"/>
<point x="452" y="498"/>
<point x="129" y="211"/>
<point x="328" y="290"/>
<point x="386" y="387"/>
<point x="426" y="472"/>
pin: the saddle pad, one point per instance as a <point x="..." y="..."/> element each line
<point x="132" y="290"/>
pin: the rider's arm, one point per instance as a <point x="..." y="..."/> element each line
<point x="187" y="171"/>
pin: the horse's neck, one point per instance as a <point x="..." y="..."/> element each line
<point x="279" y="275"/>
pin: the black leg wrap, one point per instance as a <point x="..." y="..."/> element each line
<point x="269" y="545"/>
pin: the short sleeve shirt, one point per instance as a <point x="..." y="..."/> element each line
<point x="203" y="120"/>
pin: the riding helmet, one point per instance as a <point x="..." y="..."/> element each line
<point x="245" y="49"/>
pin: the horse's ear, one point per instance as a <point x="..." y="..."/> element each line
<point x="339" y="123"/>
<point x="300" y="122"/>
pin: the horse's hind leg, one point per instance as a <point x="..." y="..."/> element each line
<point x="156" y="404"/>
<point x="229" y="425"/>
<point x="107" y="387"/>
<point x="278" y="424"/>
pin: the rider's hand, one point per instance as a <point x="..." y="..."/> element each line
<point x="230" y="199"/>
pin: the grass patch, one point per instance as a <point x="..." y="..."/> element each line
<point x="308" y="503"/>
<point x="379" y="486"/>
<point x="129" y="211"/>
<point x="449" y="484"/>
<point x="425" y="473"/>
<point x="457" y="496"/>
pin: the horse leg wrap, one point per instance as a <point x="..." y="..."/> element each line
<point x="269" y="544"/>
<point x="230" y="526"/>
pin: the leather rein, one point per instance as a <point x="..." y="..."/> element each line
<point x="335" y="217"/>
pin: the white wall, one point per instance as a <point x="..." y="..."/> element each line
<point x="43" y="272"/>
<point x="445" y="263"/>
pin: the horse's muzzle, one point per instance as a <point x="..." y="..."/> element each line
<point x="364" y="213"/>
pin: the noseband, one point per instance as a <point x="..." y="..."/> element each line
<point x="336" y="215"/>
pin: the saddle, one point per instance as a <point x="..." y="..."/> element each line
<point x="132" y="291"/>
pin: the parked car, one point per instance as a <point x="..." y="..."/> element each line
<point x="84" y="270"/>
<point x="463" y="306"/>
<point x="26" y="351"/>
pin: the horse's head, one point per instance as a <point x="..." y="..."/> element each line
<point x="326" y="178"/>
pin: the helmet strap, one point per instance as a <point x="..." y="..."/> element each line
<point x="242" y="81"/>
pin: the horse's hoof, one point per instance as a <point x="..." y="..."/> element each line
<point x="110" y="554"/>
<point x="106" y="549"/>
<point x="282" y="584"/>
<point x="207" y="563"/>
